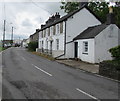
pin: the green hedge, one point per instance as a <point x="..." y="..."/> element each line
<point x="115" y="52"/>
<point x="32" y="46"/>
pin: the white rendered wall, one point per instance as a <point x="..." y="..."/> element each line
<point x="107" y="39"/>
<point x="86" y="57"/>
<point x="77" y="24"/>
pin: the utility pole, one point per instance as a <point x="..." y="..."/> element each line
<point x="4" y="34"/>
<point x="12" y="37"/>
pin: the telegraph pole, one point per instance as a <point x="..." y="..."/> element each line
<point x="4" y="34"/>
<point x="12" y="37"/>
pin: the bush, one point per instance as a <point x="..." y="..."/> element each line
<point x="115" y="52"/>
<point x="32" y="46"/>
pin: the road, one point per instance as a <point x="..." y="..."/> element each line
<point x="27" y="76"/>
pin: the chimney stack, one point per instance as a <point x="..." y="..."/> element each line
<point x="42" y="26"/>
<point x="57" y="15"/>
<point x="110" y="16"/>
<point x="37" y="30"/>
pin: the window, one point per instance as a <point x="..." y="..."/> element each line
<point x="57" y="44"/>
<point x="58" y="30"/>
<point x="44" y="33"/>
<point x="85" y="47"/>
<point x="48" y="31"/>
<point x="61" y="27"/>
<point x="51" y="29"/>
<point x="54" y="30"/>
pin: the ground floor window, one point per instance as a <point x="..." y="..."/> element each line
<point x="57" y="44"/>
<point x="85" y="47"/>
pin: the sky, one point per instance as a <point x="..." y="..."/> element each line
<point x="25" y="17"/>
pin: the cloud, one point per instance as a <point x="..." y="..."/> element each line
<point x="27" y="23"/>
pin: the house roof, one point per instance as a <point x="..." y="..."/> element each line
<point x="91" y="32"/>
<point x="67" y="16"/>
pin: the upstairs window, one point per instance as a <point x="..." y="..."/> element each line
<point x="54" y="30"/>
<point x="48" y="31"/>
<point x="61" y="27"/>
<point x="85" y="47"/>
<point x="44" y="33"/>
<point x="58" y="29"/>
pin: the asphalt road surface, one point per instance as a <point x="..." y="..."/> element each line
<point x="27" y="76"/>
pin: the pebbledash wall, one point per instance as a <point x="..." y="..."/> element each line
<point x="107" y="39"/>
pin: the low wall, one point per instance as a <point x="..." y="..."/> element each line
<point x="109" y="70"/>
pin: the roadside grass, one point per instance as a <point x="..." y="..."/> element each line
<point x="49" y="57"/>
<point x="1" y="48"/>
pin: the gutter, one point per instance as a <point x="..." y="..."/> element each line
<point x="64" y="44"/>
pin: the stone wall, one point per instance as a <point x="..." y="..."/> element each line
<point x="109" y="70"/>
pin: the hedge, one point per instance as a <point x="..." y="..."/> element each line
<point x="32" y="46"/>
<point x="115" y="52"/>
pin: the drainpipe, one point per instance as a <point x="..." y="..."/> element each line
<point x="64" y="44"/>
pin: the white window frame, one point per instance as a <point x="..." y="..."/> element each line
<point x="85" y="47"/>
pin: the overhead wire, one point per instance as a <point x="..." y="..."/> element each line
<point x="40" y="7"/>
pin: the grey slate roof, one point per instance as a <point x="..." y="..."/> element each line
<point x="91" y="32"/>
<point x="69" y="15"/>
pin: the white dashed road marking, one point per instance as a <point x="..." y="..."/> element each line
<point x="42" y="70"/>
<point x="87" y="94"/>
<point x="23" y="58"/>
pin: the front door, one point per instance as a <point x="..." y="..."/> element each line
<point x="76" y="49"/>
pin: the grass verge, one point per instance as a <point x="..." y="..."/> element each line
<point x="1" y="49"/>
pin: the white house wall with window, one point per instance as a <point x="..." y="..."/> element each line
<point x="100" y="39"/>
<point x="76" y="24"/>
<point x="63" y="30"/>
<point x="56" y="34"/>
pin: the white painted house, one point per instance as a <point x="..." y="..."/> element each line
<point x="56" y="36"/>
<point x="81" y="35"/>
<point x="93" y="44"/>
<point x="25" y="42"/>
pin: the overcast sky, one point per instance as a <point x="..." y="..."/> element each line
<point x="25" y="17"/>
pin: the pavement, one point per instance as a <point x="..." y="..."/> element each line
<point x="28" y="76"/>
<point x="93" y="68"/>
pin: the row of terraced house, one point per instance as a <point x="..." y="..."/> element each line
<point x="79" y="34"/>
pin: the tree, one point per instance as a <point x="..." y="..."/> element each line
<point x="69" y="6"/>
<point x="99" y="8"/>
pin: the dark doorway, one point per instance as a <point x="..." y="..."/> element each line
<point x="76" y="49"/>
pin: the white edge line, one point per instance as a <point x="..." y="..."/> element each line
<point x="23" y="58"/>
<point x="42" y="70"/>
<point x="86" y="94"/>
